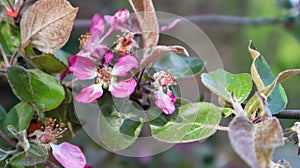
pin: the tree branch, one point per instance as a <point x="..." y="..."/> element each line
<point x="208" y="19"/>
<point x="289" y="114"/>
<point x="233" y="20"/>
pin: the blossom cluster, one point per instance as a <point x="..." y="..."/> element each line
<point x="110" y="65"/>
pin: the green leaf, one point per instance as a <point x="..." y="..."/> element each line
<point x="263" y="77"/>
<point x="253" y="104"/>
<point x="182" y="67"/>
<point x="10" y="37"/>
<point x="194" y="122"/>
<point x="224" y="83"/>
<point x="19" y="117"/>
<point x="36" y="154"/>
<point x="46" y="62"/>
<point x="227" y="112"/>
<point x="35" y="86"/>
<point x="118" y="129"/>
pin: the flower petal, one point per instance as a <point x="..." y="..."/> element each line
<point x="169" y="26"/>
<point x="71" y="61"/>
<point x="64" y="74"/>
<point x="122" y="88"/>
<point x="97" y="24"/>
<point x="68" y="155"/>
<point x="89" y="94"/>
<point x="119" y="20"/>
<point x="84" y="68"/>
<point x="99" y="51"/>
<point x="121" y="16"/>
<point x="109" y="56"/>
<point x="170" y="94"/>
<point x="108" y="19"/>
<point x="124" y="65"/>
<point x="165" y="102"/>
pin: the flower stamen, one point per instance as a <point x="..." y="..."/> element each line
<point x="83" y="39"/>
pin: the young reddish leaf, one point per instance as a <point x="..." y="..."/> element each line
<point x="47" y="25"/>
<point x="146" y="16"/>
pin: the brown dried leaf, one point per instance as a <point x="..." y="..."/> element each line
<point x="47" y="25"/>
<point x="268" y="135"/>
<point x="146" y="16"/>
<point x="160" y="51"/>
<point x="241" y="136"/>
<point x="255" y="143"/>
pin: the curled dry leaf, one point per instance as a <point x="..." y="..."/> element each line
<point x="146" y="16"/>
<point x="47" y="25"/>
<point x="241" y="136"/>
<point x="160" y="51"/>
<point x="255" y="75"/>
<point x="255" y="143"/>
<point x="268" y="135"/>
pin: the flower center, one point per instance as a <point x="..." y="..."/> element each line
<point x="103" y="75"/>
<point x="50" y="132"/>
<point x="124" y="44"/>
<point x="163" y="78"/>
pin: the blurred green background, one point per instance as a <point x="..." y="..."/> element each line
<point x="280" y="48"/>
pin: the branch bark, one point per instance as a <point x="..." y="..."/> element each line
<point x="289" y="114"/>
<point x="208" y="19"/>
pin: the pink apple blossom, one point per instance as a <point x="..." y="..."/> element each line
<point x="106" y="77"/>
<point x="165" y="102"/>
<point x="162" y="81"/>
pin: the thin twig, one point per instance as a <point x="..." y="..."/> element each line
<point x="13" y="57"/>
<point x="10" y="5"/>
<point x="7" y="64"/>
<point x="21" y="7"/>
<point x="7" y="138"/>
<point x="289" y="114"/>
<point x="207" y="19"/>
